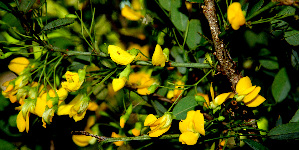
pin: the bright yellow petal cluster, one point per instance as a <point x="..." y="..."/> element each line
<point x="248" y="94"/>
<point x="235" y="15"/>
<point x="131" y="14"/>
<point x="220" y="98"/>
<point x="119" y="55"/>
<point x="191" y="127"/>
<point x="142" y="81"/>
<point x="72" y="82"/>
<point x="159" y="58"/>
<point x="158" y="126"/>
<point x="17" y="65"/>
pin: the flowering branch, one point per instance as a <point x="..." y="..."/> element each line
<point x="226" y="65"/>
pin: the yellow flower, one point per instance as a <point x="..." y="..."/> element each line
<point x="119" y="55"/>
<point x="158" y="126"/>
<point x="130" y="14"/>
<point x="137" y="130"/>
<point x="177" y="92"/>
<point x="118" y="143"/>
<point x="235" y="15"/>
<point x="40" y="105"/>
<point x="17" y="65"/>
<point x="83" y="140"/>
<point x="220" y="98"/>
<point x="73" y="82"/>
<point x="159" y="58"/>
<point x="142" y="81"/>
<point x="62" y="94"/>
<point x="118" y="83"/>
<point x="76" y="109"/>
<point x="191" y="127"/>
<point x="23" y="123"/>
<point x="248" y="94"/>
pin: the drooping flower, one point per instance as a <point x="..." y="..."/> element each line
<point x="120" y="82"/>
<point x="23" y="117"/>
<point x="73" y="80"/>
<point x="248" y="94"/>
<point x="76" y="109"/>
<point x="191" y="127"/>
<point x="235" y="15"/>
<point x="17" y="65"/>
<point x="158" y="126"/>
<point x="120" y="56"/>
<point x="124" y="118"/>
<point x="159" y="58"/>
<point x="142" y="81"/>
<point x="137" y="129"/>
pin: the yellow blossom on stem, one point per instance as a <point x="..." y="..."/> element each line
<point x="248" y="94"/>
<point x="17" y="65"/>
<point x="137" y="130"/>
<point x="74" y="80"/>
<point x="235" y="15"/>
<point x="177" y="91"/>
<point x="131" y="14"/>
<point x="118" y="83"/>
<point x="159" y="57"/>
<point x="119" y="55"/>
<point x="158" y="126"/>
<point x="142" y="81"/>
<point x="191" y="127"/>
<point x="220" y="98"/>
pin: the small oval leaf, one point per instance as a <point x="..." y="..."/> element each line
<point x="285" y="131"/>
<point x="58" y="23"/>
<point x="183" y="106"/>
<point x="281" y="85"/>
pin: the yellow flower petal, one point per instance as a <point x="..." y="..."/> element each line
<point x="40" y="106"/>
<point x="18" y="64"/>
<point x="122" y="122"/>
<point x="199" y="122"/>
<point x="235" y="15"/>
<point x="118" y="143"/>
<point x="136" y="132"/>
<point x="247" y="91"/>
<point x="189" y="138"/>
<point x="64" y="109"/>
<point x="81" y="140"/>
<point x="158" y="58"/>
<point x="243" y="84"/>
<point x="158" y="132"/>
<point x="150" y="119"/>
<point x="184" y="125"/>
<point x="221" y="98"/>
<point x="120" y="56"/>
<point x="252" y="95"/>
<point x="72" y="82"/>
<point x="27" y="122"/>
<point x="79" y="117"/>
<point x="130" y="14"/>
<point x="118" y="83"/>
<point x="21" y="123"/>
<point x="256" y="102"/>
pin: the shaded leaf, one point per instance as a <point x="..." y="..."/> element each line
<point x="255" y="8"/>
<point x="58" y="23"/>
<point x="292" y="36"/>
<point x="7" y="145"/>
<point x="195" y="1"/>
<point x="4" y="7"/>
<point x="295" y="118"/>
<point x="270" y="64"/>
<point x="179" y="19"/>
<point x="285" y="131"/>
<point x="25" y="5"/>
<point x="183" y="106"/>
<point x="254" y="145"/>
<point x="193" y="36"/>
<point x="281" y="85"/>
<point x="166" y="4"/>
<point x="160" y="109"/>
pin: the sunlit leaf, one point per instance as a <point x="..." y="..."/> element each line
<point x="183" y="106"/>
<point x="281" y="85"/>
<point x="166" y="4"/>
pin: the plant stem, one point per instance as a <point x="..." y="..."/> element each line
<point x="143" y="137"/>
<point x="176" y="64"/>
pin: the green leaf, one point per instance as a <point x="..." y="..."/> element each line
<point x="160" y="109"/>
<point x="287" y="10"/>
<point x="270" y="64"/>
<point x="58" y="23"/>
<point x="3" y="101"/>
<point x="4" y="7"/>
<point x="295" y="118"/>
<point x="25" y="5"/>
<point x="7" y="145"/>
<point x="179" y="19"/>
<point x="12" y="120"/>
<point x="254" y="145"/>
<point x="292" y="36"/>
<point x="193" y="37"/>
<point x="195" y="1"/>
<point x="166" y="4"/>
<point x="183" y="106"/>
<point x="281" y="85"/>
<point x="285" y="131"/>
<point x="255" y="8"/>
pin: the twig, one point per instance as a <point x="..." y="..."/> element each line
<point x="226" y="65"/>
